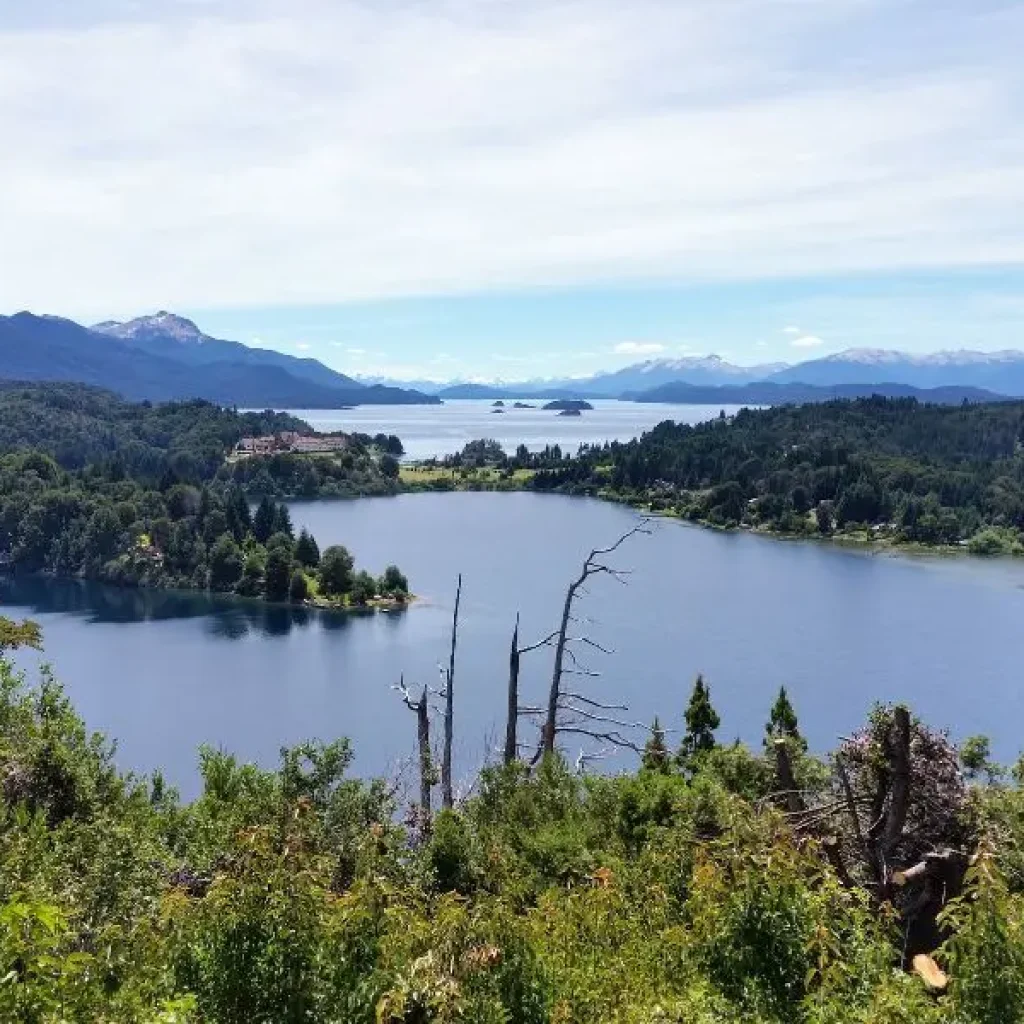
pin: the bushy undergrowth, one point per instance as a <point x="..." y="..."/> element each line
<point x="293" y="895"/>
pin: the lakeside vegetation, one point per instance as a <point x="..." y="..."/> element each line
<point x="892" y="469"/>
<point x="141" y="495"/>
<point x="697" y="887"/>
<point x="881" y="471"/>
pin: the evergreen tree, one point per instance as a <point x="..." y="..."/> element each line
<point x="701" y="722"/>
<point x="656" y="757"/>
<point x="277" y="574"/>
<point x="264" y="520"/>
<point x="783" y="724"/>
<point x="298" y="589"/>
<point x="283" y="521"/>
<point x="306" y="550"/>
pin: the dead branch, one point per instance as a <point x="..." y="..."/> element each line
<point x="593" y="565"/>
<point x="616" y="739"/>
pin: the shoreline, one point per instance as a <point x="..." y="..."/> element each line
<point x="861" y="539"/>
<point x="381" y="605"/>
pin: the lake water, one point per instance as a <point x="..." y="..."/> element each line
<point x="436" y="430"/>
<point x="166" y="672"/>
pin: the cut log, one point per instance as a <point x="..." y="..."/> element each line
<point x="934" y="978"/>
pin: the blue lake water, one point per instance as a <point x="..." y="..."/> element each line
<point x="435" y="430"/>
<point x="166" y="672"/>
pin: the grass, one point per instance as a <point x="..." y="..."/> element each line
<point x="427" y="476"/>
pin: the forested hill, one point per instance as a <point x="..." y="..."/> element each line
<point x="916" y="473"/>
<point x="146" y="495"/>
<point x="78" y="425"/>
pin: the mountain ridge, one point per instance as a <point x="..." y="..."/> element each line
<point x="1000" y="372"/>
<point x="151" y="367"/>
<point x="774" y="393"/>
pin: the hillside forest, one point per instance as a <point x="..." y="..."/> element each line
<point x="144" y="495"/>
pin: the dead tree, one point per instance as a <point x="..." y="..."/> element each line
<point x="512" y="713"/>
<point x="447" y="793"/>
<point x="515" y="710"/>
<point x="894" y="824"/>
<point x="421" y="708"/>
<point x="573" y="713"/>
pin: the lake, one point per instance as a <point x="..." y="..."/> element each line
<point x="165" y="672"/>
<point x="437" y="430"/>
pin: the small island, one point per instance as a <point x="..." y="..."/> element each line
<point x="497" y="410"/>
<point x="569" y="406"/>
<point x="499" y="404"/>
<point x="523" y="405"/>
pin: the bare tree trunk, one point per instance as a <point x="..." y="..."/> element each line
<point x="421" y="709"/>
<point x="512" y="722"/>
<point x="447" y="793"/>
<point x="426" y="766"/>
<point x="899" y="760"/>
<point x="551" y="719"/>
<point x="787" y="780"/>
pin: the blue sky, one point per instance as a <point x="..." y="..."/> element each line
<point x="487" y="188"/>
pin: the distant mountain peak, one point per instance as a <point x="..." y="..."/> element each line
<point x="168" y="325"/>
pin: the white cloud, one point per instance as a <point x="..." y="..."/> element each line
<point x="303" y="346"/>
<point x="356" y="351"/>
<point x="792" y="330"/>
<point x="638" y="348"/>
<point x="807" y="341"/>
<point x="255" y="153"/>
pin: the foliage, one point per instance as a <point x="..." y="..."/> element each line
<point x="336" y="566"/>
<point x="783" y="723"/>
<point x="875" y="467"/>
<point x="656" y="757"/>
<point x="548" y="896"/>
<point x="143" y="495"/>
<point x="701" y="722"/>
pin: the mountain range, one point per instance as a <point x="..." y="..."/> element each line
<point x="992" y="373"/>
<point x="779" y="393"/>
<point x="164" y="357"/>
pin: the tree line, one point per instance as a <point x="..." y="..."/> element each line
<point x="926" y="474"/>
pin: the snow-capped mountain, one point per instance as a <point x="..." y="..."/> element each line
<point x="707" y="371"/>
<point x="166" y="334"/>
<point x="163" y="326"/>
<point x="1001" y="372"/>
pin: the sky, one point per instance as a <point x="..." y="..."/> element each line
<point x="520" y="188"/>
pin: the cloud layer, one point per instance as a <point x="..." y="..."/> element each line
<point x="213" y="154"/>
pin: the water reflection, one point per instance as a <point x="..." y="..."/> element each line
<point x="227" y="618"/>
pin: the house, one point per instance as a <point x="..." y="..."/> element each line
<point x="292" y="441"/>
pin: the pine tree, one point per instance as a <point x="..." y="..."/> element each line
<point x="306" y="550"/>
<point x="264" y="520"/>
<point x="239" y="518"/>
<point x="656" y="757"/>
<point x="783" y="724"/>
<point x="701" y="722"/>
<point x="283" y="521"/>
